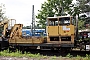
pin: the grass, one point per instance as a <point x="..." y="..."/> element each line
<point x="18" y="54"/>
<point x="38" y="56"/>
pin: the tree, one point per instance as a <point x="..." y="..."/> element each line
<point x="52" y="7"/>
<point x="81" y="6"/>
<point x="2" y="12"/>
<point x="81" y="24"/>
<point x="60" y="7"/>
<point x="84" y="7"/>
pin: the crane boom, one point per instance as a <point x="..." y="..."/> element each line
<point x="4" y="21"/>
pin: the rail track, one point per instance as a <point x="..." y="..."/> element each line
<point x="57" y="53"/>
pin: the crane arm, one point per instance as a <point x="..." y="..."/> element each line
<point x="4" y="21"/>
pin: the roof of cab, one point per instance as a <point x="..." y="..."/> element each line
<point x="58" y="17"/>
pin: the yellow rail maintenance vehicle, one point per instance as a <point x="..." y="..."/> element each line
<point x="60" y="33"/>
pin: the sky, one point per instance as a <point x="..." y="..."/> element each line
<point x="21" y="10"/>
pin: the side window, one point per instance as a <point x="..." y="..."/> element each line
<point x="51" y="23"/>
<point x="73" y="21"/>
<point x="56" y="23"/>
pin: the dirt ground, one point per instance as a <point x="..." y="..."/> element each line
<point x="25" y="58"/>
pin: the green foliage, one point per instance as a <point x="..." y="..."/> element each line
<point x="84" y="5"/>
<point x="44" y="57"/>
<point x="40" y="57"/>
<point x="69" y="55"/>
<point x="2" y="12"/>
<point x="87" y="56"/>
<point x="79" y="57"/>
<point x="81" y="24"/>
<point x="18" y="54"/>
<point x="54" y="58"/>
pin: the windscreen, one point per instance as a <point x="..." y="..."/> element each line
<point x="64" y="21"/>
<point x="53" y="22"/>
